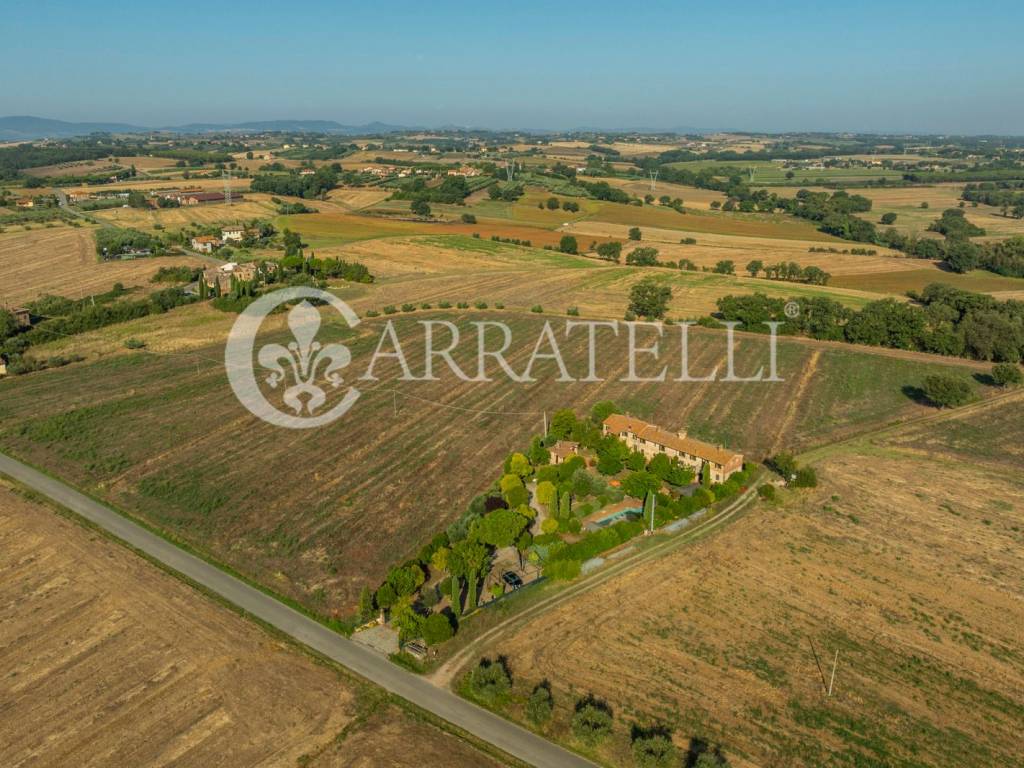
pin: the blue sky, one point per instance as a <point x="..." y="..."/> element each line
<point x="869" y="66"/>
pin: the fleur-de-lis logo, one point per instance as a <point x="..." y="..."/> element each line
<point x="304" y="357"/>
<point x="306" y="369"/>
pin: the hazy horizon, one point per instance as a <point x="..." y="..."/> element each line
<point x="657" y="66"/>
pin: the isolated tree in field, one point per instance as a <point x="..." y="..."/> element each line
<point x="643" y="257"/>
<point x="552" y="203"/>
<point x="420" y="207"/>
<point x="754" y="267"/>
<point x="468" y="218"/>
<point x="592" y="721"/>
<point x="634" y="233"/>
<point x="541" y="704"/>
<point x="888" y="218"/>
<point x="648" y="298"/>
<point x="725" y="267"/>
<point x="655" y="750"/>
<point x="1006" y="374"/>
<point x="366" y="606"/>
<point x="568" y="244"/>
<point x="610" y="251"/>
<point x="490" y="681"/>
<point x="946" y="391"/>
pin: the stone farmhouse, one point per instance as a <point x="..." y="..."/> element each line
<point x="220" y="277"/>
<point x="651" y="439"/>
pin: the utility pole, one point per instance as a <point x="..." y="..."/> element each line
<point x="654" y="178"/>
<point x="545" y="423"/>
<point x="227" y="185"/>
<point x="835" y="661"/>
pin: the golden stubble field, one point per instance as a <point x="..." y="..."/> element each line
<point x="907" y="560"/>
<point x="110" y="661"/>
<point x="62" y="260"/>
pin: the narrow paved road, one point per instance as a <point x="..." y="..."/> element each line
<point x="486" y="726"/>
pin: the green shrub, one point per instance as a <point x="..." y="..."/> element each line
<point x="946" y="391"/>
<point x="537" y="308"/>
<point x="134" y="343"/>
<point x="592" y="721"/>
<point x="408" y="307"/>
<point x="390" y="309"/>
<point x="481" y="305"/>
<point x="540" y="705"/>
<point x="436" y="629"/>
<point x="806" y="477"/>
<point x="1006" y="374"/>
<point x="766" y="492"/>
<point x="655" y="750"/>
<point x="490" y="681"/>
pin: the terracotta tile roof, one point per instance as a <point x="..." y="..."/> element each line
<point x="564" y="448"/>
<point x="618" y="423"/>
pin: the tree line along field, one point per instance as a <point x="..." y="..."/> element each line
<point x="162" y="436"/>
<point x="108" y="643"/>
<point x="916" y="584"/>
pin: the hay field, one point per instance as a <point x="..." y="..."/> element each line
<point x="107" y="644"/>
<point x="62" y="260"/>
<point x="455" y="268"/>
<point x="693" y="197"/>
<point x="917" y="586"/>
<point x="905" y="202"/>
<point x="142" y="183"/>
<point x="918" y="273"/>
<point x="251" y="207"/>
<point x="170" y="443"/>
<point x="777" y="226"/>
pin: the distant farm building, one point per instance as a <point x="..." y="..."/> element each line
<point x="464" y="171"/>
<point x="25" y="202"/>
<point x="220" y="278"/>
<point x="562" y="450"/>
<point x="205" y="243"/>
<point x="234" y="233"/>
<point x="201" y="198"/>
<point x="651" y="439"/>
<point x="307" y="172"/>
<point x="22" y="317"/>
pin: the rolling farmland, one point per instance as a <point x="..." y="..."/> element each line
<point x="62" y="260"/>
<point x="109" y="644"/>
<point x="171" y="444"/>
<point x="914" y="585"/>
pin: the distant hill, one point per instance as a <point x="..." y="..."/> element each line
<point x="25" y="127"/>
